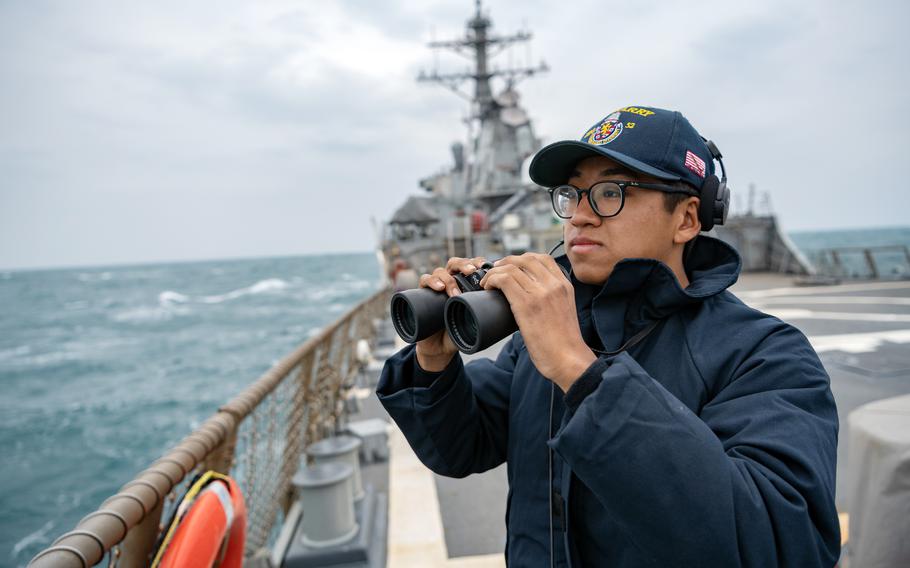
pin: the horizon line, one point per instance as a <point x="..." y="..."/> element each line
<point x="127" y="263"/>
<point x="158" y="262"/>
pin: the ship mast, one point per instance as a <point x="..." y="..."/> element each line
<point x="479" y="45"/>
<point x="499" y="131"/>
<point x="471" y="201"/>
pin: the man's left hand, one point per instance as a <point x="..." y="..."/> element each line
<point x="543" y="303"/>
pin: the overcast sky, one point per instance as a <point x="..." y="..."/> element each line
<point x="171" y="130"/>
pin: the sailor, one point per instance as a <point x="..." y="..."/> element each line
<point x="647" y="416"/>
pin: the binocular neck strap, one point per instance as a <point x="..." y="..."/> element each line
<point x="633" y="341"/>
<point x="556" y="247"/>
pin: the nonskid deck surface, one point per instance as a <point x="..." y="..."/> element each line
<point x="861" y="331"/>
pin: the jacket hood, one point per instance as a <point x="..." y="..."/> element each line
<point x="640" y="290"/>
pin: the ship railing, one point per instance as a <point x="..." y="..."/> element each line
<point x="258" y="438"/>
<point x="876" y="262"/>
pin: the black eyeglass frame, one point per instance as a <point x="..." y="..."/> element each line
<point x="622" y="185"/>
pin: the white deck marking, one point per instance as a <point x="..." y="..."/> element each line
<point x="415" y="524"/>
<point x="858" y="342"/>
<point x="791" y="314"/>
<point x="416" y="537"/>
<point x="816" y="290"/>
<point x="864" y="300"/>
<point x="484" y="561"/>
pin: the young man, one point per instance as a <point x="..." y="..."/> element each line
<point x="647" y="416"/>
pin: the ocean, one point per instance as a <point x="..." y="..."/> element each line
<point x="103" y="369"/>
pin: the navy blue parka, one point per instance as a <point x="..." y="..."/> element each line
<point x="710" y="443"/>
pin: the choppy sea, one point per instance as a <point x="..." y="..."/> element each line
<point x="103" y="369"/>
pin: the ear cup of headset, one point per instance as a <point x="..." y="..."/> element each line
<point x="715" y="195"/>
<point x="721" y="204"/>
<point x="706" y="207"/>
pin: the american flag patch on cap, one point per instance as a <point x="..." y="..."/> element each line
<point x="695" y="163"/>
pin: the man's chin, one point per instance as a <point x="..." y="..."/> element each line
<point x="588" y="272"/>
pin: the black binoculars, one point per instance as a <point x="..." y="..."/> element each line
<point x="475" y="319"/>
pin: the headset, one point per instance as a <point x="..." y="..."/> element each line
<point x="715" y="195"/>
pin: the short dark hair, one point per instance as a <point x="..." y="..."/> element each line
<point x="672" y="200"/>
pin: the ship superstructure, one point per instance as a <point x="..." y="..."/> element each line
<point x="481" y="204"/>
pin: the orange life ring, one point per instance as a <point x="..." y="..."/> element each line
<point x="208" y="528"/>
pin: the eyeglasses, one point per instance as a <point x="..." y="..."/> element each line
<point x="605" y="197"/>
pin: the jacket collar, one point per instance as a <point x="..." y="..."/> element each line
<point x="640" y="290"/>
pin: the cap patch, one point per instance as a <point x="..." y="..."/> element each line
<point x="637" y="110"/>
<point x="695" y="164"/>
<point x="606" y="131"/>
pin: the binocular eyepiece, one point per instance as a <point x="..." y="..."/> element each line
<point x="474" y="320"/>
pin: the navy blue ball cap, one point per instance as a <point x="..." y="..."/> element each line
<point x="651" y="141"/>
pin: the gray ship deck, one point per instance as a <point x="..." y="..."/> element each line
<point x="860" y="331"/>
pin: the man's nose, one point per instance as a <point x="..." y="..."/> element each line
<point x="584" y="215"/>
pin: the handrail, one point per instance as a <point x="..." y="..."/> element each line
<point x="838" y="268"/>
<point x="140" y="501"/>
<point x="875" y="248"/>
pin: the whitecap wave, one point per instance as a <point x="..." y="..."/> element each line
<point x="322" y="294"/>
<point x="149" y="274"/>
<point x="148" y="314"/>
<point x="337" y="290"/>
<point x="37" y="360"/>
<point x="169" y="298"/>
<point x="14" y="352"/>
<point x="39" y="535"/>
<point x="261" y="287"/>
<point x="269" y="285"/>
<point x="94" y="276"/>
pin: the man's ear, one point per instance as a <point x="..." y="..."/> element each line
<point x="687" y="224"/>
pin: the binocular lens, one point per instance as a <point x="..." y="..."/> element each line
<point x="403" y="318"/>
<point x="477" y="320"/>
<point x="418" y="313"/>
<point x="462" y="326"/>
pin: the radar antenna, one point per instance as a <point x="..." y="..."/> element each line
<point x="479" y="45"/>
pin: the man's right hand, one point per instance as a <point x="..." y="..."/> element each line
<point x="435" y="352"/>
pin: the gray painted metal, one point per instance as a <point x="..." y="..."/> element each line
<point x="324" y="491"/>
<point x="374" y="433"/>
<point x="762" y="245"/>
<point x="879" y="483"/>
<point x="340" y="449"/>
<point x="366" y="549"/>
